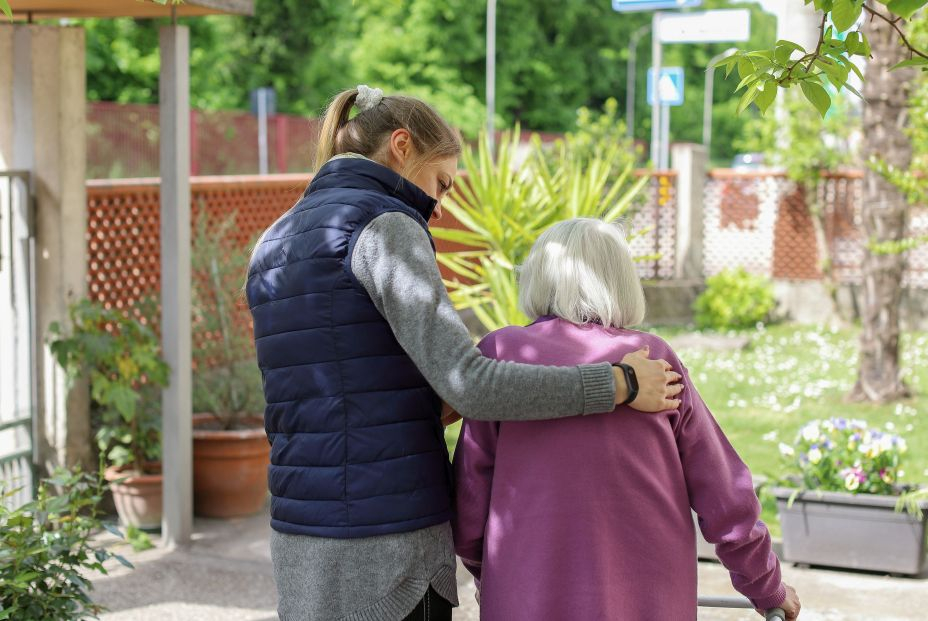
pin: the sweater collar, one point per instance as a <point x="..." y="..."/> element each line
<point x="360" y="173"/>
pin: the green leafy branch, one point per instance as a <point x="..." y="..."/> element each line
<point x="920" y="58"/>
<point x="830" y="62"/>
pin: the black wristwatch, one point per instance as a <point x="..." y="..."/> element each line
<point x="631" y="380"/>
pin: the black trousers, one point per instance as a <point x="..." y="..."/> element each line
<point x="433" y="607"/>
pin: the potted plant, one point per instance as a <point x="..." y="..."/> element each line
<point x="843" y="507"/>
<point x="230" y="448"/>
<point x="121" y="359"/>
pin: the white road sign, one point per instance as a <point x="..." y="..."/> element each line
<point x="706" y="26"/>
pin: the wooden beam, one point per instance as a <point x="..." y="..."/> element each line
<point x="56" y="9"/>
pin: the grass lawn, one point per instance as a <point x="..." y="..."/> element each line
<point x="792" y="374"/>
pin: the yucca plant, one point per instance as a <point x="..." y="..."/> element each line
<point x="505" y="207"/>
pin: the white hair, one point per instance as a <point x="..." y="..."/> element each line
<point x="582" y="270"/>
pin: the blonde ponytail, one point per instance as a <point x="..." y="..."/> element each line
<point x="336" y="116"/>
<point x="367" y="132"/>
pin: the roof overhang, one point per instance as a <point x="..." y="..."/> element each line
<point x="55" y="9"/>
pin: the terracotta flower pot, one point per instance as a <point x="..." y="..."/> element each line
<point x="229" y="468"/>
<point x="137" y="498"/>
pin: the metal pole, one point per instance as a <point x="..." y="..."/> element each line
<point x="262" y="131"/>
<point x="707" y="99"/>
<point x="655" y="88"/>
<point x="630" y="80"/>
<point x="707" y="108"/>
<point x="491" y="75"/>
<point x="665" y="138"/>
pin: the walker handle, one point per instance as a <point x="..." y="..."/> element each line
<point x="727" y="601"/>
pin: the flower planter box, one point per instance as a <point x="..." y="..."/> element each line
<point x="852" y="531"/>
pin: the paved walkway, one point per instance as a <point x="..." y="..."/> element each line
<point x="226" y="575"/>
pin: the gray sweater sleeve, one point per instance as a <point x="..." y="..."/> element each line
<point x="394" y="262"/>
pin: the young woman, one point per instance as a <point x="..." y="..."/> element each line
<point x="358" y="344"/>
<point x="589" y="518"/>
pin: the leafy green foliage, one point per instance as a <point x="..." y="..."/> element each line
<point x="842" y="455"/>
<point x="552" y="58"/>
<point x="763" y="72"/>
<point x="227" y="382"/>
<point x="47" y="549"/>
<point x="122" y="360"/>
<point x="801" y="142"/>
<point x="828" y="66"/>
<point x="913" y="501"/>
<point x="138" y="539"/>
<point x="734" y="299"/>
<point x="506" y="207"/>
<point x="594" y="134"/>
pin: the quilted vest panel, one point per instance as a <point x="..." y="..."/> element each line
<point x="357" y="446"/>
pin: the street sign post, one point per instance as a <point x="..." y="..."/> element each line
<point x="666" y="93"/>
<point x="629" y="6"/>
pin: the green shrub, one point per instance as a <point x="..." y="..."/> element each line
<point x="506" y="207"/>
<point x="734" y="299"/>
<point x="46" y="550"/>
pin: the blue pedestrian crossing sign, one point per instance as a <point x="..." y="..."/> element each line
<point x="670" y="86"/>
<point x="630" y="6"/>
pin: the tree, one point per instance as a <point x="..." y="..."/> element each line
<point x="887" y="85"/>
<point x="884" y="215"/>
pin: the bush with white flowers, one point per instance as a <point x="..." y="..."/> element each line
<point x="846" y="455"/>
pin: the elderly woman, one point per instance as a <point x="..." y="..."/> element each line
<point x="557" y="524"/>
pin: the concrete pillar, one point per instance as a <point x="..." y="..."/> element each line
<point x="43" y="130"/>
<point x="690" y="161"/>
<point x="177" y="405"/>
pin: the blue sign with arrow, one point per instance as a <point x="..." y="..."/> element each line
<point x="670" y="86"/>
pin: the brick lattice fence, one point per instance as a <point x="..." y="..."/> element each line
<point x="761" y="220"/>
<point x="758" y="220"/>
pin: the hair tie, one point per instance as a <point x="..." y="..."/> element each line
<point x="367" y="97"/>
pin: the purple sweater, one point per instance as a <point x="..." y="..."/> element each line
<point x="589" y="517"/>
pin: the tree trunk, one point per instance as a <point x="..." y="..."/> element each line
<point x="883" y="212"/>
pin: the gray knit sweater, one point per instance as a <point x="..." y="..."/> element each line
<point x="383" y="578"/>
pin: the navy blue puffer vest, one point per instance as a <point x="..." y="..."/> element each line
<point x="357" y="445"/>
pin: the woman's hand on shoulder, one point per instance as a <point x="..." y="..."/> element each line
<point x="658" y="383"/>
